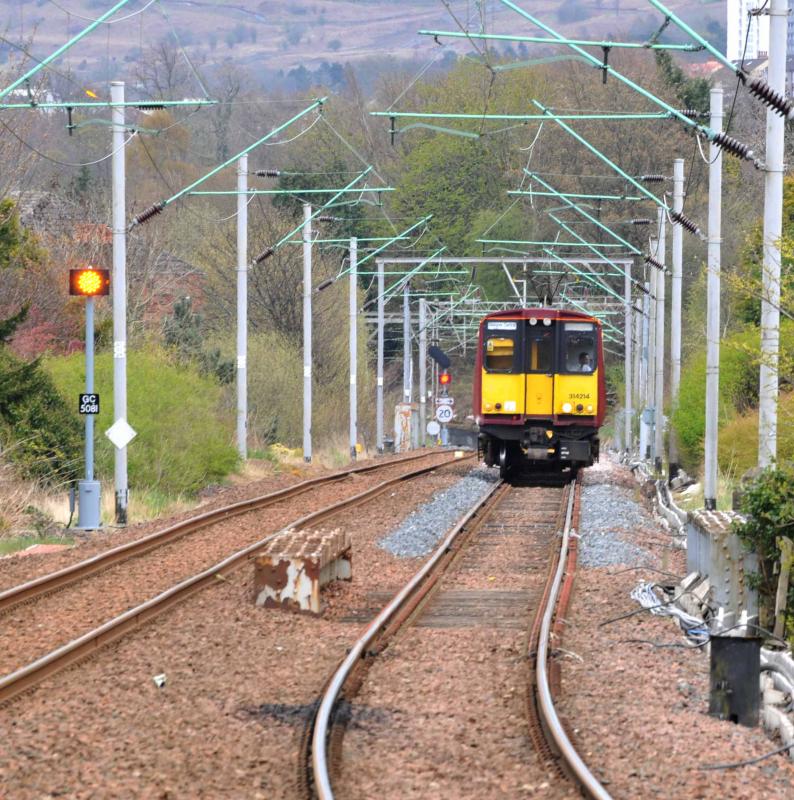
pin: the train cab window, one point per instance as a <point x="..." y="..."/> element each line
<point x="499" y="352"/>
<point x="579" y="347"/>
<point x="540" y="349"/>
<point x="500" y="346"/>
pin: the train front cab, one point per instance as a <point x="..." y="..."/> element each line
<point x="541" y="390"/>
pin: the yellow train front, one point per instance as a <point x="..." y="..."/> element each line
<point x="539" y="389"/>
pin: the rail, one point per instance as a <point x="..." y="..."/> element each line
<point x="319" y="760"/>
<point x="548" y="712"/>
<point x="26" y="677"/>
<point x="53" y="581"/>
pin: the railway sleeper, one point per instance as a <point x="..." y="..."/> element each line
<point x="290" y="572"/>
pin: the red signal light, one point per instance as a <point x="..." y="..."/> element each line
<point x="89" y="282"/>
<point x="445" y="379"/>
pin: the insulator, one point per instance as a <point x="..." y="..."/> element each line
<point x="268" y="173"/>
<point x="651" y="261"/>
<point x="653" y="178"/>
<point x="691" y="113"/>
<point x="733" y="146"/>
<point x="325" y="218"/>
<point x="640" y="221"/>
<point x="685" y="222"/>
<point x="770" y="97"/>
<point x="325" y="284"/>
<point x="150" y="106"/>
<point x="150" y="212"/>
<point x="263" y="255"/>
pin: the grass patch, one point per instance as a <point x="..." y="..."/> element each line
<point x="14" y="544"/>
<point x="693" y="500"/>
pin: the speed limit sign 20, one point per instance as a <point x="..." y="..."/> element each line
<point x="444" y="413"/>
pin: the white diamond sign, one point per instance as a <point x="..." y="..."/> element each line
<point x="120" y="433"/>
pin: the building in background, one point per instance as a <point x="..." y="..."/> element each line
<point x="752" y="43"/>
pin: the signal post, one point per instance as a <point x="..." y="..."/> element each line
<point x="89" y="283"/>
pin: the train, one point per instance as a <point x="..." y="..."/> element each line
<point x="539" y="392"/>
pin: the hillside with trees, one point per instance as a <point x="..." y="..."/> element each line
<point x="55" y="190"/>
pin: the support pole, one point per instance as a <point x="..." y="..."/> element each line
<point x="422" y="371"/>
<point x="638" y="318"/>
<point x="379" y="375"/>
<point x="713" y="307"/>
<point x="658" y="403"/>
<point x="89" y="511"/>
<point x="773" y="224"/>
<point x="643" y="381"/>
<point x="650" y="375"/>
<point x="307" y="332"/>
<point x="89" y="386"/>
<point x="627" y="350"/>
<point x="353" y="346"/>
<point x="675" y="312"/>
<point x="242" y="307"/>
<point x="119" y="290"/>
<point x="406" y="343"/>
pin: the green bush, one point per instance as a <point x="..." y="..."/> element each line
<point x="738" y="392"/>
<point x="37" y="432"/>
<point x="769" y="508"/>
<point x="183" y="442"/>
<point x="738" y="440"/>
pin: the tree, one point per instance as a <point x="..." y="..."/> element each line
<point x="747" y="280"/>
<point x="37" y="431"/>
<point x="183" y="335"/>
<point x="691" y="92"/>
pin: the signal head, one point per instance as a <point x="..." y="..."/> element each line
<point x="89" y="282"/>
<point x="445" y="378"/>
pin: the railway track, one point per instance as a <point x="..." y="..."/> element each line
<point x="530" y="525"/>
<point x="29" y="594"/>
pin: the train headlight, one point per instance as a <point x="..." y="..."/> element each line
<point x="547" y="322"/>
<point x="533" y="320"/>
<point x="590" y="409"/>
<point x="567" y="408"/>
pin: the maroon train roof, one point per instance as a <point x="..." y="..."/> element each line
<point x="540" y="313"/>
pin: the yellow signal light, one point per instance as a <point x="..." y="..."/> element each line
<point x="89" y="282"/>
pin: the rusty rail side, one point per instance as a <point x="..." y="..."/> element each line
<point x="552" y="724"/>
<point x="53" y="581"/>
<point x="27" y="677"/>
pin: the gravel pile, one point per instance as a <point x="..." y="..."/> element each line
<point x="423" y="528"/>
<point x="608" y="513"/>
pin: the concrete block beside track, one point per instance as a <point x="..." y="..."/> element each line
<point x="295" y="565"/>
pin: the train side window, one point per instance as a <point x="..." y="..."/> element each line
<point x="500" y="352"/>
<point x="540" y="350"/>
<point x="579" y="347"/>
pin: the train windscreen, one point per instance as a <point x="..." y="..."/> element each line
<point x="579" y="347"/>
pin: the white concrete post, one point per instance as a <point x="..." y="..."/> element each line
<point x="713" y="306"/>
<point x="658" y="403"/>
<point x="422" y="371"/>
<point x="675" y="310"/>
<point x="773" y="226"/>
<point x="307" y="332"/>
<point x="242" y="307"/>
<point x="407" y="343"/>
<point x="379" y="373"/>
<point x="118" y="286"/>
<point x="627" y="350"/>
<point x="353" y="346"/>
